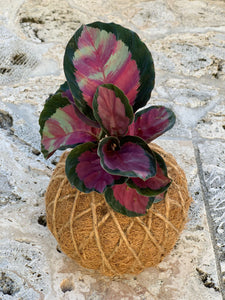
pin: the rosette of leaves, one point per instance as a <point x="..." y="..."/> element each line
<point x="97" y="112"/>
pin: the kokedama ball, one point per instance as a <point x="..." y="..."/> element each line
<point x="89" y="231"/>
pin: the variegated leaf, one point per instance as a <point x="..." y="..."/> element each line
<point x="101" y="53"/>
<point x="84" y="171"/>
<point x="151" y="122"/>
<point x="127" y="201"/>
<point x="61" y="128"/>
<point x="130" y="156"/>
<point x="112" y="110"/>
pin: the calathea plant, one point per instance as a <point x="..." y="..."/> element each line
<point x="97" y="112"/>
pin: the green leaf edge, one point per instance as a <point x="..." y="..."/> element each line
<point x="53" y="103"/>
<point x="115" y="205"/>
<point x="71" y="162"/>
<point x="69" y="71"/>
<point x="147" y="191"/>
<point x="172" y="118"/>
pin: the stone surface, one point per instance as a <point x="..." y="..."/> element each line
<point x="187" y="41"/>
<point x="214" y="177"/>
<point x="212" y="124"/>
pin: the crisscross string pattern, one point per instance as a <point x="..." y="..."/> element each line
<point x="97" y="237"/>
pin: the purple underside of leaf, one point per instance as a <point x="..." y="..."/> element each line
<point x="129" y="158"/>
<point x="88" y="173"/>
<point x="152" y="122"/>
<point x="153" y="185"/>
<point x="112" y="110"/>
<point x="64" y="128"/>
<point x="67" y="94"/>
<point x="129" y="198"/>
<point x="91" y="173"/>
<point x="101" y="59"/>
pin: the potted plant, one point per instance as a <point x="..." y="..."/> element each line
<point x="111" y="204"/>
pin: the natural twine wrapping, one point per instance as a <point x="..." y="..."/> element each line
<point x="97" y="237"/>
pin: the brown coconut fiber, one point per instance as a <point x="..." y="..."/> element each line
<point x="97" y="237"/>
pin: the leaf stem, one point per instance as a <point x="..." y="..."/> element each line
<point x="102" y="134"/>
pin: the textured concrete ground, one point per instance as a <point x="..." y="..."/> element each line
<point x="187" y="41"/>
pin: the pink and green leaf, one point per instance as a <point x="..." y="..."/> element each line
<point x="61" y="128"/>
<point x="101" y="53"/>
<point x="112" y="110"/>
<point x="151" y="122"/>
<point x="130" y="156"/>
<point x="84" y="171"/>
<point x="66" y="93"/>
<point x="127" y="201"/>
<point x="154" y="185"/>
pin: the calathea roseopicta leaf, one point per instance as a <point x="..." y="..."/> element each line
<point x="101" y="53"/>
<point x="66" y="93"/>
<point x="112" y="110"/>
<point x="84" y="171"/>
<point x="154" y="185"/>
<point x="127" y="201"/>
<point x="128" y="156"/>
<point x="61" y="128"/>
<point x="151" y="122"/>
